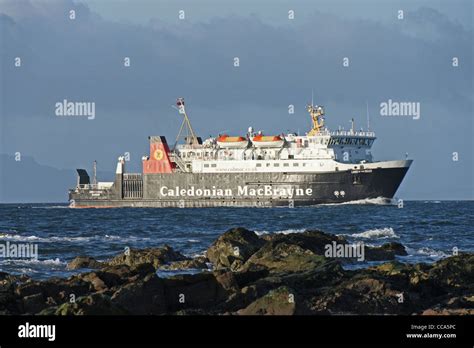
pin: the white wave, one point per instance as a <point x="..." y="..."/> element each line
<point x="368" y="201"/>
<point x="281" y="232"/>
<point x="48" y="262"/>
<point x="193" y="241"/>
<point x="386" y="232"/>
<point x="32" y="238"/>
<point x="18" y="237"/>
<point x="431" y="252"/>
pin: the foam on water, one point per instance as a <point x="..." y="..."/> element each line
<point x="33" y="238"/>
<point x="431" y="252"/>
<point x="260" y="233"/>
<point x="386" y="232"/>
<point x="47" y="262"/>
<point x="368" y="201"/>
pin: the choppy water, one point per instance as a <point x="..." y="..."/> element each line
<point x="429" y="229"/>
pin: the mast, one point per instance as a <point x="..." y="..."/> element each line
<point x="94" y="180"/>
<point x="368" y="116"/>
<point x="190" y="137"/>
<point x="316" y="113"/>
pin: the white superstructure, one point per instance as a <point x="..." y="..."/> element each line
<point x="320" y="150"/>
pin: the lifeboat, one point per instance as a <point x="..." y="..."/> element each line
<point x="227" y="142"/>
<point x="267" y="141"/>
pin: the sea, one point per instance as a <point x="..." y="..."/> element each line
<point x="430" y="230"/>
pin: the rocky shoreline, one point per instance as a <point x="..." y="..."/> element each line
<point x="246" y="274"/>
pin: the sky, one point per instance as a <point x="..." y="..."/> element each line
<point x="281" y="61"/>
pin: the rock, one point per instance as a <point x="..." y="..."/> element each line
<point x="196" y="263"/>
<point x="454" y="271"/>
<point x="95" y="304"/>
<point x="56" y="288"/>
<point x="143" y="297"/>
<point x="446" y="311"/>
<point x="114" y="276"/>
<point x="8" y="300"/>
<point x="34" y="303"/>
<point x="97" y="283"/>
<point x="392" y="268"/>
<point x="364" y="293"/>
<point x="244" y="278"/>
<point x="277" y="256"/>
<point x="233" y="248"/>
<point x="227" y="280"/>
<point x="84" y="262"/>
<point x="313" y="240"/>
<point x="155" y="256"/>
<point x="387" y="251"/>
<point x="462" y="305"/>
<point x="280" y="301"/>
<point x="193" y="291"/>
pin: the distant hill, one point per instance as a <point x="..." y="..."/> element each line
<point x="27" y="181"/>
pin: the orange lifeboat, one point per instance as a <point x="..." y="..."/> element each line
<point x="267" y="141"/>
<point x="228" y="142"/>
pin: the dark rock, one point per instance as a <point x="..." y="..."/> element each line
<point x="244" y="278"/>
<point x="155" y="256"/>
<point x="93" y="278"/>
<point x="387" y="251"/>
<point x="196" y="263"/>
<point x="277" y="256"/>
<point x="58" y="289"/>
<point x="456" y="271"/>
<point x="363" y="294"/>
<point x="448" y="311"/>
<point x="313" y="240"/>
<point x="142" y="297"/>
<point x="84" y="262"/>
<point x="113" y="276"/>
<point x="280" y="301"/>
<point x="462" y="305"/>
<point x="233" y="248"/>
<point x="34" y="303"/>
<point x="193" y="291"/>
<point x="227" y="280"/>
<point x="95" y="304"/>
<point x="8" y="300"/>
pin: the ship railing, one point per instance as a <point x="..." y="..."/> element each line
<point x="351" y="133"/>
<point x="89" y="187"/>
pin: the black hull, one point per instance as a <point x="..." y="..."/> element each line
<point x="146" y="190"/>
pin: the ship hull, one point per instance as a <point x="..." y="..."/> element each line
<point x="186" y="190"/>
